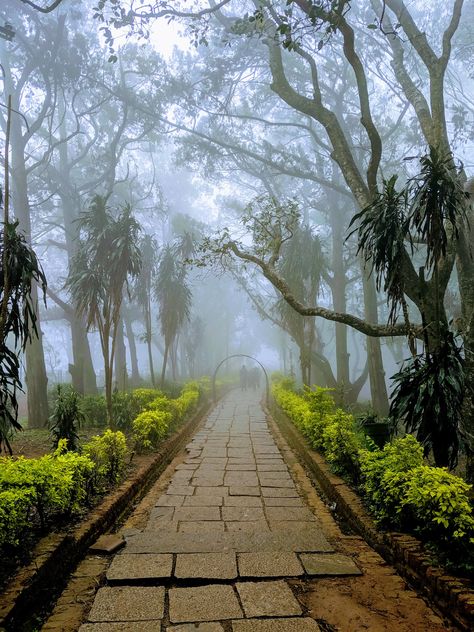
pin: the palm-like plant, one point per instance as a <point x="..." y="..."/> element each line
<point x="108" y="258"/>
<point x="426" y="214"/>
<point x="174" y="297"/>
<point x="19" y="270"/>
<point x="143" y="291"/>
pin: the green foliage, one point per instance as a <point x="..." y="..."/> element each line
<point x="108" y="453"/>
<point x="400" y="489"/>
<point x="66" y="418"/>
<point x="150" y="428"/>
<point x="384" y="475"/>
<point x="428" y="396"/>
<point x="94" y="410"/>
<point x="144" y="396"/>
<point x="341" y="444"/>
<point x="19" y="269"/>
<point x="52" y="484"/>
<point x="124" y="409"/>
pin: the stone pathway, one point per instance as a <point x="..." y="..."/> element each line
<point x="222" y="541"/>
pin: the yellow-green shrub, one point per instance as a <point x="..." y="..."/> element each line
<point x="385" y="474"/>
<point x="150" y="428"/>
<point x="341" y="444"/>
<point x="108" y="453"/>
<point x="54" y="483"/>
<point x="144" y="396"/>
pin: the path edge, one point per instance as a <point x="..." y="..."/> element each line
<point x="405" y="552"/>
<point x="56" y="556"/>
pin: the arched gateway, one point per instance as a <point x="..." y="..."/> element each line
<point x="240" y="355"/>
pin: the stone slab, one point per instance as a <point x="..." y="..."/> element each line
<point x="276" y="625"/>
<point x="107" y="544"/>
<point x="215" y="602"/>
<point x="134" y="567"/>
<point x="249" y="526"/>
<point x="274" y="482"/>
<point x="242" y="501"/>
<point x="299" y="514"/>
<point x="197" y="627"/>
<point x="283" y="502"/>
<point x="203" y="500"/>
<point x="180" y="490"/>
<point x="268" y="599"/>
<point x="170" y="501"/>
<point x="333" y="564"/>
<point x="207" y="526"/>
<point x="242" y="513"/>
<point x="308" y="539"/>
<point x="206" y="566"/>
<point x="241" y="490"/>
<point x="186" y="514"/>
<point x="279" y="492"/>
<point x="269" y="564"/>
<point x="128" y="603"/>
<point x="130" y="626"/>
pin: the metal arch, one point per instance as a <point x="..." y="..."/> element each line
<point x="241" y="355"/>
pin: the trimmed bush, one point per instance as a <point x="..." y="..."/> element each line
<point x="108" y="453"/>
<point x="150" y="428"/>
<point x="94" y="410"/>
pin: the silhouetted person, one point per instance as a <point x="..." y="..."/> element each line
<point x="256" y="378"/>
<point x="244" y="377"/>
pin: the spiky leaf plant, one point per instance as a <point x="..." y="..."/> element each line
<point x="66" y="418"/>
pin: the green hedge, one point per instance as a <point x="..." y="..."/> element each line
<point x="400" y="488"/>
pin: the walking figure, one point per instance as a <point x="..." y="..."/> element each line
<point x="243" y="377"/>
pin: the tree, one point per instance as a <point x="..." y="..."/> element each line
<point x="107" y="259"/>
<point x="174" y="297"/>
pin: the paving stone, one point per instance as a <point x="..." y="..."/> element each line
<point x="212" y="491"/>
<point x="279" y="492"/>
<point x="333" y="564"/>
<point x="240" y="490"/>
<point x="207" y="526"/>
<point x="128" y="603"/>
<point x="268" y="599"/>
<point x="206" y="566"/>
<point x="241" y="467"/>
<point x="180" y="490"/>
<point x="241" y="479"/>
<point x="283" y="513"/>
<point x="210" y="481"/>
<point x="276" y="625"/>
<point x="130" y="626"/>
<point x="280" y="483"/>
<point x="249" y="526"/>
<point x="197" y="627"/>
<point x="269" y="564"/>
<point x="242" y="501"/>
<point x="133" y="566"/>
<point x="242" y="513"/>
<point x="182" y="477"/>
<point x="106" y="544"/>
<point x="215" y="460"/>
<point x="281" y="502"/>
<point x="240" y="461"/>
<point x="186" y="466"/>
<point x="183" y="514"/>
<point x="309" y="539"/>
<point x="264" y="467"/>
<point x="204" y="500"/>
<point x="170" y="501"/>
<point x="203" y="603"/>
<point x="275" y="475"/>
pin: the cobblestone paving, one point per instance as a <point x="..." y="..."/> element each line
<point x="222" y="540"/>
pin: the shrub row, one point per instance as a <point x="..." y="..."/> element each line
<point x="63" y="482"/>
<point x="400" y="488"/>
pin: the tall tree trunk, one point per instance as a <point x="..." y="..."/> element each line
<point x="163" y="368"/>
<point x="82" y="370"/>
<point x="378" y="387"/>
<point x="136" y="379"/>
<point x="121" y="375"/>
<point x="36" y="378"/>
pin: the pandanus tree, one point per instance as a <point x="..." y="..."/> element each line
<point x="143" y="291"/>
<point x="107" y="259"/>
<point x="174" y="297"/>
<point x="421" y="222"/>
